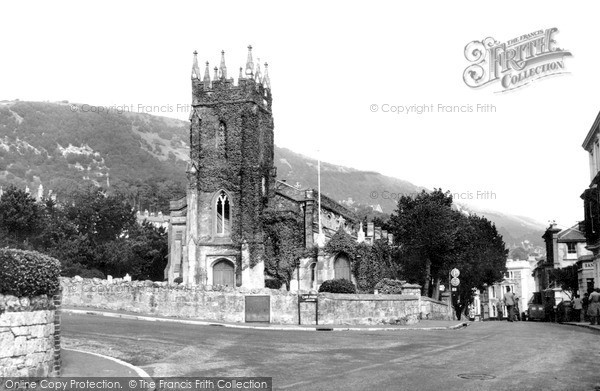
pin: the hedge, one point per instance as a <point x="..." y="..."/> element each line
<point x="387" y="286"/>
<point x="28" y="273"/>
<point x="339" y="285"/>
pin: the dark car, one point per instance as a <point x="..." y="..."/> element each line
<point x="535" y="308"/>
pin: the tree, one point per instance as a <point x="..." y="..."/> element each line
<point x="373" y="263"/>
<point x="480" y="257"/>
<point x="19" y="216"/>
<point x="566" y="278"/>
<point x="284" y="243"/>
<point x="424" y="226"/>
<point x="100" y="216"/>
<point x="142" y="253"/>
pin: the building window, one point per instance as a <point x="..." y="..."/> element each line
<point x="313" y="275"/>
<point x="221" y="139"/>
<point x="223" y="215"/>
<point x="509" y="275"/>
<point x="572" y="248"/>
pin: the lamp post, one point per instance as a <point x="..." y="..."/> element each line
<point x="298" y="279"/>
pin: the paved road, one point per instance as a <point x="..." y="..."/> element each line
<point x="491" y="355"/>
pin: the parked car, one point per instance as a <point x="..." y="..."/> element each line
<point x="536" y="312"/>
<point x="535" y="308"/>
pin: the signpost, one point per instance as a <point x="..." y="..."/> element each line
<point x="454" y="283"/>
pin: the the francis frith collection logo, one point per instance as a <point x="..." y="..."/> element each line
<point x="516" y="62"/>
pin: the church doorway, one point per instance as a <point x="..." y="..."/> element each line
<point x="223" y="273"/>
<point x="341" y="267"/>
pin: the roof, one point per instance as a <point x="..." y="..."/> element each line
<point x="589" y="139"/>
<point x="572" y="234"/>
<point x="301" y="195"/>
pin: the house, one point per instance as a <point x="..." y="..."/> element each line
<point x="591" y="200"/>
<point x="564" y="248"/>
<point x="519" y="278"/>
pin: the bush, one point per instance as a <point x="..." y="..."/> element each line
<point x="272" y="283"/>
<point x="339" y="285"/>
<point x="387" y="286"/>
<point x="72" y="269"/>
<point x="178" y="280"/>
<point x="28" y="273"/>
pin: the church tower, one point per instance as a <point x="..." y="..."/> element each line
<point x="231" y="176"/>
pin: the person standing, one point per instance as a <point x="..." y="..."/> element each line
<point x="577" y="307"/>
<point x="594" y="306"/>
<point x="585" y="302"/>
<point x="509" y="302"/>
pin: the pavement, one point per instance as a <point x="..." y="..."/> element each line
<point x="79" y="363"/>
<point x="584" y="324"/>
<point x="423" y="325"/>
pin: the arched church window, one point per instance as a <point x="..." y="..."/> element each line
<point x="223" y="214"/>
<point x="221" y="138"/>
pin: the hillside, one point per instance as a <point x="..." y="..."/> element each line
<point x="63" y="145"/>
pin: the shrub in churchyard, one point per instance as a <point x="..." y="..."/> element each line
<point x="272" y="283"/>
<point x="338" y="285"/>
<point x="387" y="286"/>
<point x="28" y="273"/>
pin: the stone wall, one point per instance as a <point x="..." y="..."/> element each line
<point x="228" y="304"/>
<point x="29" y="336"/>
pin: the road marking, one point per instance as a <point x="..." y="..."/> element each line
<point x="140" y="372"/>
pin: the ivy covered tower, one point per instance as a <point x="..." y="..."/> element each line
<point x="231" y="179"/>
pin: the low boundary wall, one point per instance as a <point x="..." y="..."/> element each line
<point x="228" y="304"/>
<point x="30" y="336"/>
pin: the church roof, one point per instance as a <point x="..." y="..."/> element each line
<point x="301" y="195"/>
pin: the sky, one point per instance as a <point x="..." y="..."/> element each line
<point x="336" y="70"/>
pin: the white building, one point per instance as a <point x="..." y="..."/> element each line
<point x="520" y="280"/>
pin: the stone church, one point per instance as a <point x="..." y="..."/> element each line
<point x="232" y="179"/>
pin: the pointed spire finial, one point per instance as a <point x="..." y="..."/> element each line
<point x="266" y="79"/>
<point x="216" y="74"/>
<point x="258" y="74"/>
<point x="249" y="63"/>
<point x="222" y="67"/>
<point x="241" y="75"/>
<point x="195" y="68"/>
<point x="206" y="74"/>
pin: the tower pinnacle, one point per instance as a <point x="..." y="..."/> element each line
<point x="195" y="68"/>
<point x="266" y="80"/>
<point x="249" y="63"/>
<point x="258" y="74"/>
<point x="222" y="67"/>
<point x="206" y="74"/>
